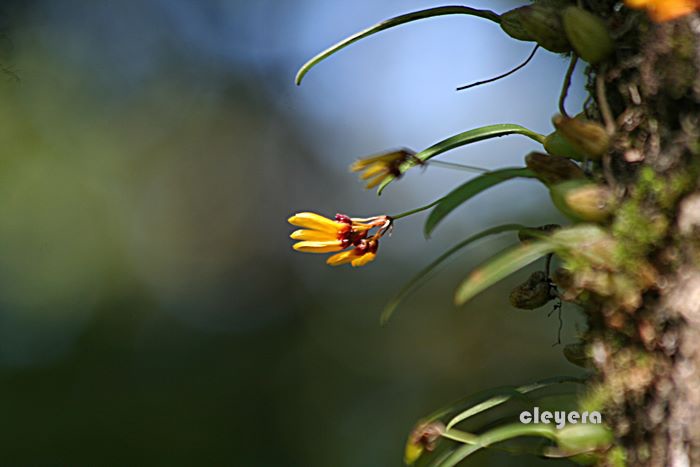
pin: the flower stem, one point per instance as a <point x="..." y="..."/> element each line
<point x="567" y="84"/>
<point x="454" y="165"/>
<point x="417" y="210"/>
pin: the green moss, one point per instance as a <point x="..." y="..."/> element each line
<point x="663" y="191"/>
<point x="616" y="457"/>
<point x="641" y="222"/>
<point x="679" y="72"/>
<point x="636" y="232"/>
<point x="596" y="399"/>
<point x="694" y="147"/>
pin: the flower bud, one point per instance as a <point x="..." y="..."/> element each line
<point x="540" y="23"/>
<point x="553" y="169"/>
<point x="556" y="145"/>
<point x="424" y="437"/>
<point x="533" y="293"/>
<point x="585" y="136"/>
<point x="543" y="22"/>
<point x="582" y="200"/>
<point x="584" y="437"/>
<point x="587" y="34"/>
<point x="511" y="23"/>
<point x="576" y="354"/>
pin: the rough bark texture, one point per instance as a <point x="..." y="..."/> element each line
<point x="645" y="342"/>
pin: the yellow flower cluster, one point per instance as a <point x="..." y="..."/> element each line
<point x="665" y="10"/>
<point x="377" y="168"/>
<point x="348" y="236"/>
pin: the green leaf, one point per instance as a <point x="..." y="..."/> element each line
<point x="460" y="436"/>
<point x="472" y="136"/>
<point x="440" y="456"/>
<point x="473" y="399"/>
<point x="497" y="435"/>
<point x="477" y="403"/>
<point x="499" y="267"/>
<point x="506" y="396"/>
<point x="467" y="402"/>
<point x="423" y="276"/>
<point x="470" y="189"/>
<point x="390" y="23"/>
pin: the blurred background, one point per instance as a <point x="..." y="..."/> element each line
<point x="152" y="311"/>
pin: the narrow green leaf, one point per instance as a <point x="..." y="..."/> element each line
<point x="506" y="396"/>
<point x="467" y="402"/>
<point x="460" y="436"/>
<point x="468" y="190"/>
<point x="499" y="267"/>
<point x="498" y="435"/>
<point x="440" y="457"/>
<point x="390" y="23"/>
<point x="471" y="136"/>
<point x="422" y="277"/>
<point x="473" y="399"/>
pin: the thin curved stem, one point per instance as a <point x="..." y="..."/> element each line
<point x="603" y="105"/>
<point x="504" y="75"/>
<point x="454" y="165"/>
<point x="566" y="85"/>
<point x="416" y="211"/>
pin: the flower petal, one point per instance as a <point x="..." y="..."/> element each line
<point x="375" y="181"/>
<point x="382" y="159"/>
<point x="665" y="10"/>
<point x="672" y="9"/>
<point x="310" y="220"/>
<point x="364" y="259"/>
<point x="314" y="235"/>
<point x="373" y="170"/>
<point x="343" y="257"/>
<point x="361" y="227"/>
<point x="318" y="247"/>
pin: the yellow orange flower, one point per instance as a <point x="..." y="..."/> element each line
<point x="322" y="235"/>
<point x="377" y="168"/>
<point x="319" y="234"/>
<point x="665" y="10"/>
<point x="362" y="254"/>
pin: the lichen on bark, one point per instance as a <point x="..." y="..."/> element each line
<point x="647" y="357"/>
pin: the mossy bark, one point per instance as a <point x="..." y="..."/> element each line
<point x="646" y="350"/>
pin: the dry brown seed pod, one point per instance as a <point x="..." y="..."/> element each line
<point x="553" y="169"/>
<point x="533" y="293"/>
<point x="585" y="136"/>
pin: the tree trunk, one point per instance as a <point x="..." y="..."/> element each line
<point x="647" y="351"/>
